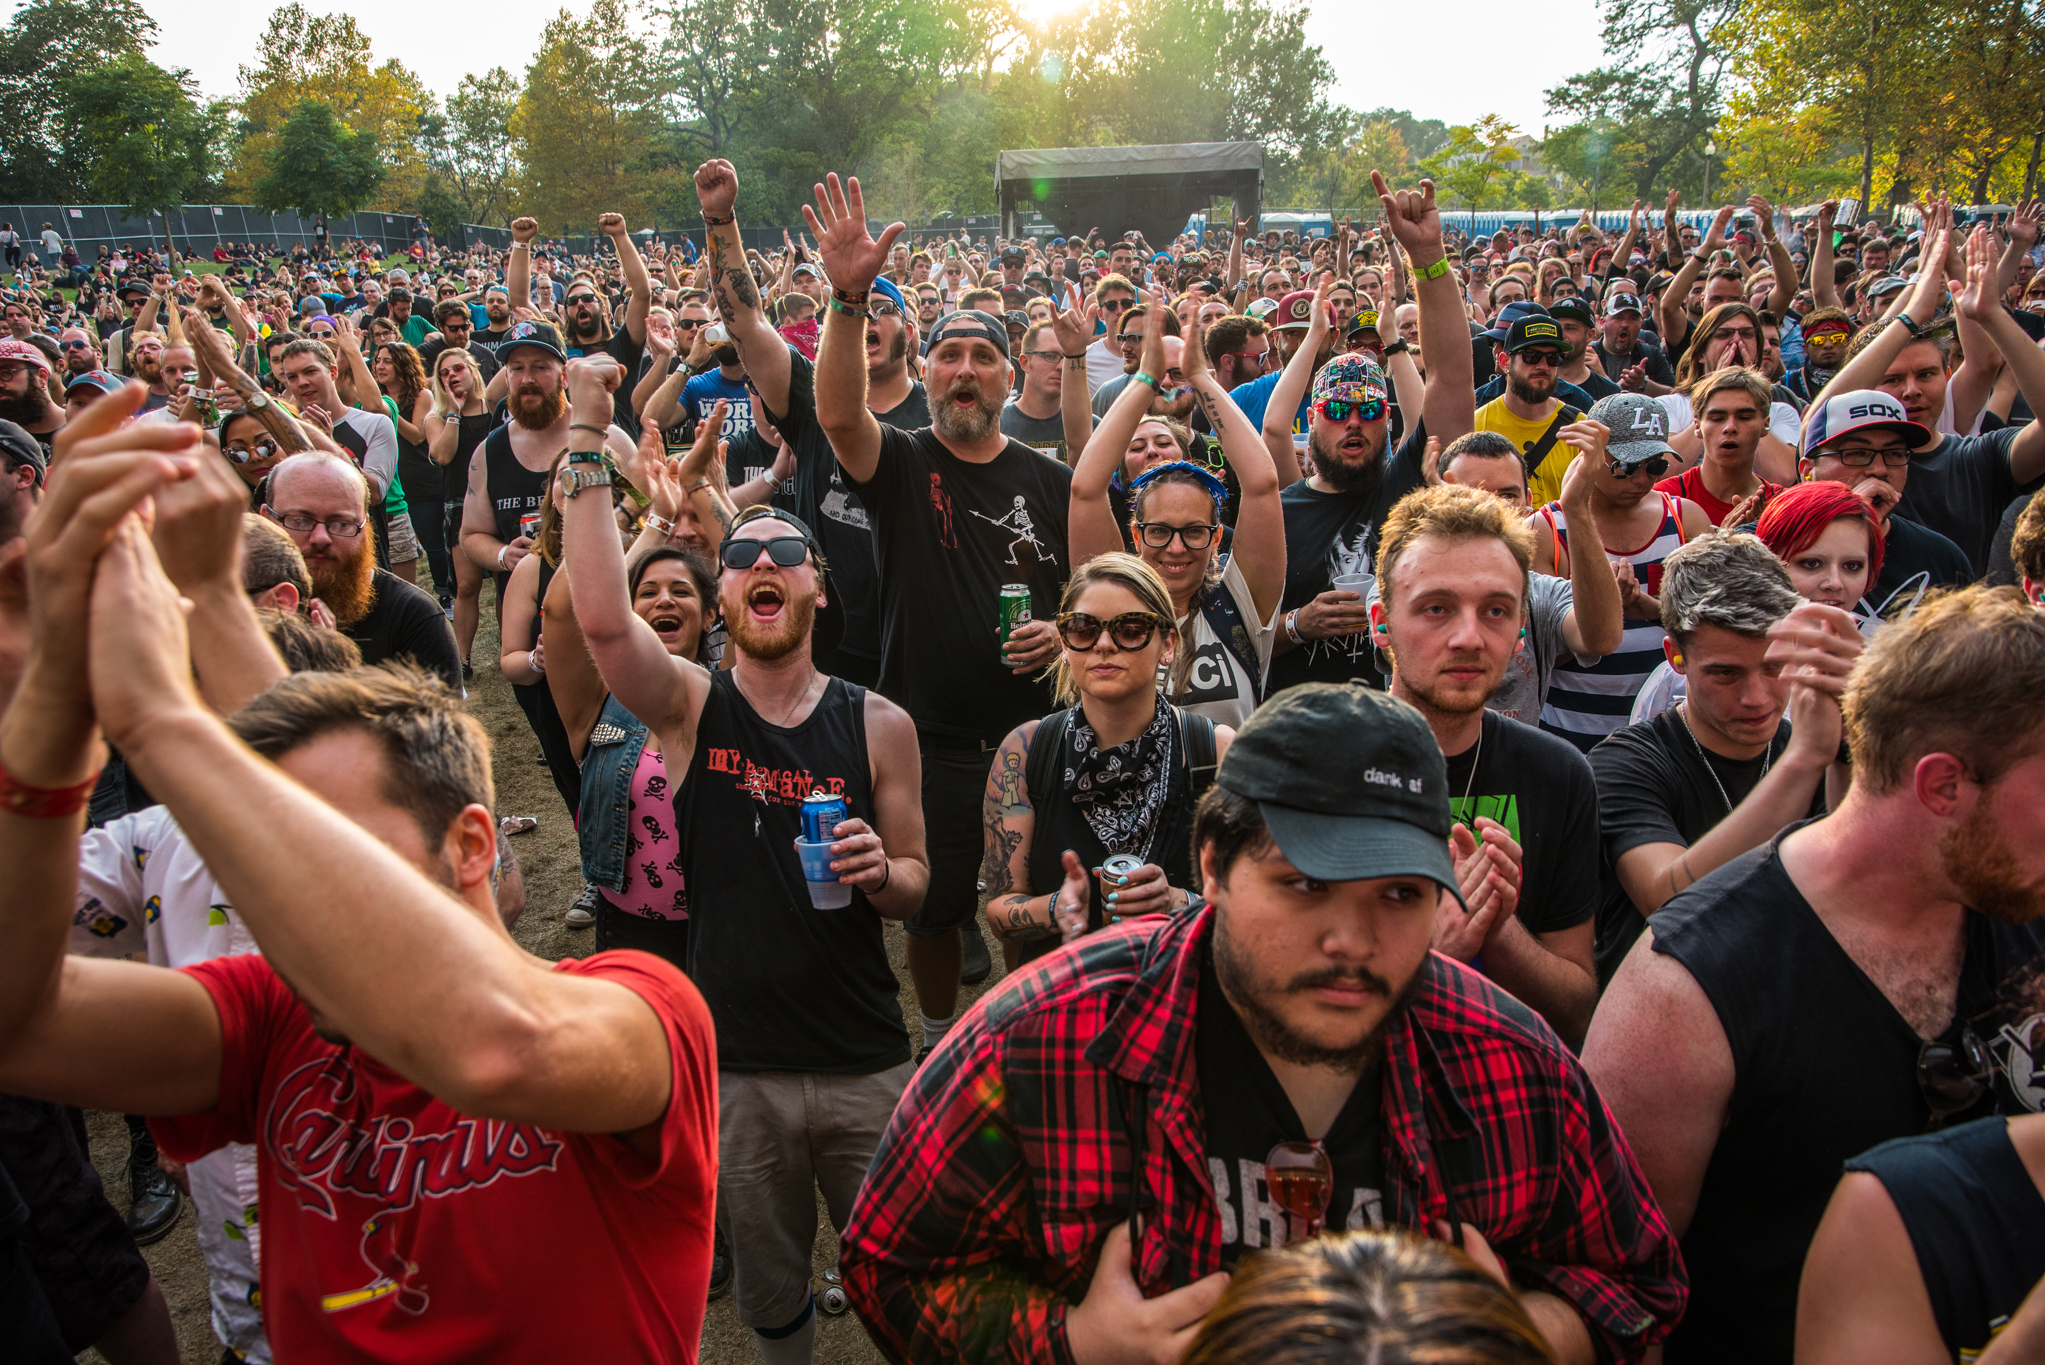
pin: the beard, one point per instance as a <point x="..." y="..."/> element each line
<point x="725" y="354"/>
<point x="347" y="586"/>
<point x="971" y="425"/>
<point x="149" y="369"/>
<point x="768" y="643"/>
<point x="1445" y="702"/>
<point x="80" y="362"/>
<point x="30" y="409"/>
<point x="1343" y="477"/>
<point x="498" y="313"/>
<point x="537" y="409"/>
<point x="1252" y="999"/>
<point x="1534" y="388"/>
<point x="1979" y="863"/>
<point x="583" y="329"/>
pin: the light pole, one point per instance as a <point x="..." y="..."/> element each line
<point x="1710" y="151"/>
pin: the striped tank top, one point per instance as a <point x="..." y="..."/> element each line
<point x="1586" y="703"/>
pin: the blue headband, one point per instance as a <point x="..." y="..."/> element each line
<point x="1207" y="480"/>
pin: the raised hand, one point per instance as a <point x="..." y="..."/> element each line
<point x="1715" y="237"/>
<point x="1978" y="300"/>
<point x="1764" y="215"/>
<point x="1074" y="328"/>
<point x="611" y="224"/>
<point x="1413" y="218"/>
<point x="851" y="256"/>
<point x="524" y="230"/>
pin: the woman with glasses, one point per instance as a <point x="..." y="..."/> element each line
<point x="1115" y="775"/>
<point x="1224" y="609"/>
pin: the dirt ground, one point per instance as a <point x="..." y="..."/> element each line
<point x="547" y="858"/>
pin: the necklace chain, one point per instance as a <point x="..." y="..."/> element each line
<point x="783" y="722"/>
<point x="1476" y="757"/>
<point x="1767" y="757"/>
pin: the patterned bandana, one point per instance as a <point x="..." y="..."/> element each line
<point x="1350" y="378"/>
<point x="1121" y="790"/>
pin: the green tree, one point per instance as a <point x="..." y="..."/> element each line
<point x="42" y="47"/>
<point x="442" y="206"/>
<point x="585" y="126"/>
<point x="473" y="156"/>
<point x="320" y="168"/>
<point x="1473" y="166"/>
<point x="1594" y="156"/>
<point x="148" y="143"/>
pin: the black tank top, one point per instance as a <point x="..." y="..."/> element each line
<point x="473" y="430"/>
<point x="1975" y="1219"/>
<point x="514" y="489"/>
<point x="1825" y="1068"/>
<point x="537" y="701"/>
<point x="790" y="987"/>
<point x="1060" y="826"/>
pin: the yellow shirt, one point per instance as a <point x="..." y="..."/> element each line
<point x="1544" y="482"/>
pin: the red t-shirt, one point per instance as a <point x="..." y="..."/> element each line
<point x="1690" y="484"/>
<point x="395" y="1228"/>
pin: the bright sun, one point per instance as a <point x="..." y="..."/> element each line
<point x="1044" y="11"/>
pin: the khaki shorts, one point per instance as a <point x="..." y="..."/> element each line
<point x="780" y="1136"/>
<point x="404" y="540"/>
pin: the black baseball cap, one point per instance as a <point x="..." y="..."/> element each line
<point x="1575" y="308"/>
<point x="17" y="445"/>
<point x="1350" y="782"/>
<point x="1013" y="255"/>
<point x="969" y="322"/>
<point x="1534" y="329"/>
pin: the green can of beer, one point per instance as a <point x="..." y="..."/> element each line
<point x="1015" y="608"/>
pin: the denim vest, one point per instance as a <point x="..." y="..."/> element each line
<point x="604" y="821"/>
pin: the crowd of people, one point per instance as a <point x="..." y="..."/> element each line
<point x="1502" y="774"/>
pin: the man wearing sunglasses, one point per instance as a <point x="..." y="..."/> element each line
<point x="81" y="352"/>
<point x="585" y="324"/>
<point x="458" y="330"/>
<point x="1138" y="1089"/>
<point x="1864" y="439"/>
<point x="1114" y="296"/>
<point x="1822" y="994"/>
<point x="1530" y="356"/>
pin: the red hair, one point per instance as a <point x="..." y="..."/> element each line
<point x="1796" y="517"/>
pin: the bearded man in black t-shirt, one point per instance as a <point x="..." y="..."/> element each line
<point x="585" y="323"/>
<point x="960" y="512"/>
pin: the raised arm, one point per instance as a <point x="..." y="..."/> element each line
<point x="2023" y="235"/>
<point x="1090" y="526"/>
<point x="1865" y="368"/>
<point x="518" y="269"/>
<point x="666" y="693"/>
<point x="698" y="477"/>
<point x="1778" y="256"/>
<point x="1450" y="408"/>
<point x="1824" y="293"/>
<point x="577" y="688"/>
<point x="762" y="348"/>
<point x="1291" y="388"/>
<point x="1073" y="329"/>
<point x="1596" y="621"/>
<point x="208" y="344"/>
<point x="1670" y="308"/>
<point x="633" y="266"/>
<point x="660" y="349"/>
<point x="1260" y="521"/>
<point x="852" y="258"/>
<point x="1983" y="306"/>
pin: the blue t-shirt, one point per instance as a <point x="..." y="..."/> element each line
<point x="479" y="317"/>
<point x="1255" y="396"/>
<point x="699" y="399"/>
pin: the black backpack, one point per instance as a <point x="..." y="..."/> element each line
<point x="1196" y="741"/>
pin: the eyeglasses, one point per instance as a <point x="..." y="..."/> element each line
<point x="743" y="553"/>
<point x="321" y="336"/>
<point x="261" y="450"/>
<point x="1860" y="457"/>
<point x="688" y="324"/>
<point x="340" y="528"/>
<point x="1338" y="409"/>
<point x="1655" y="465"/>
<point x="1130" y="631"/>
<point x="75" y="345"/>
<point x="1045" y="355"/>
<point x="882" y="310"/>
<point x="1952" y="1077"/>
<point x="452" y="326"/>
<point x="1128" y="338"/>
<point x="1251" y="360"/>
<point x="580" y="299"/>
<point x="1301" y="1179"/>
<point x="1834" y="338"/>
<point x="1541" y="360"/>
<point x="1158" y="534"/>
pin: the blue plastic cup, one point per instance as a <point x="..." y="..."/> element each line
<point x="826" y="892"/>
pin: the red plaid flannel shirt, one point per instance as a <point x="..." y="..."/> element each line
<point x="1009" y="1158"/>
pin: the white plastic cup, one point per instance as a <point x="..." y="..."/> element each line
<point x="1358" y="583"/>
<point x="826" y="892"/>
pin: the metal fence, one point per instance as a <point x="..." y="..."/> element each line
<point x="198" y="228"/>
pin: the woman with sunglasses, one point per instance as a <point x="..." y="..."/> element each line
<point x="1116" y="774"/>
<point x="624" y="785"/>
<point x="1224" y="613"/>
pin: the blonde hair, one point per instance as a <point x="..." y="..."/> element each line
<point x="1956" y="676"/>
<point x="1452" y="511"/>
<point x="443" y="401"/>
<point x="1124" y="571"/>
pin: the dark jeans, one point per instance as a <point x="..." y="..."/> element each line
<point x="428" y="518"/>
<point x="954" y="785"/>
<point x="664" y="938"/>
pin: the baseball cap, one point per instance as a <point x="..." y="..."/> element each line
<point x="528" y="334"/>
<point x="1016" y="317"/>
<point x="10" y="349"/>
<point x="1622" y="302"/>
<point x="970" y="323"/>
<point x="1260" y="308"/>
<point x="1366" y="320"/>
<point x="1295" y="312"/>
<point x="1349" y="378"/>
<point x="1860" y="410"/>
<point x="1576" y="309"/>
<point x="886" y="288"/>
<point x="1531" y="330"/>
<point x="1013" y="255"/>
<point x="803" y="268"/>
<point x="1350" y="783"/>
<point x="22" y="448"/>
<point x="104" y="380"/>
<point x="1501" y="325"/>
<point x="1887" y="285"/>
<point x="135" y="287"/>
<point x="1639" y="426"/>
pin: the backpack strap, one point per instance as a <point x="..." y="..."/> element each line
<point x="1040" y="766"/>
<point x="1538" y="452"/>
<point x="1196" y="734"/>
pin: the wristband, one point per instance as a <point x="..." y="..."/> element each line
<point x="695" y="488"/>
<point x="709" y="221"/>
<point x="655" y="521"/>
<point x="847" y="310"/>
<point x="44" y="803"/>
<point x="1432" y="272"/>
<point x="1909" y="324"/>
<point x="585" y="426"/>
<point x="1292" y="627"/>
<point x="500" y="555"/>
<point x="1074" y="355"/>
<point x="854" y="297"/>
<point x="1396" y="348"/>
<point x="887" y="872"/>
<point x="1142" y="377"/>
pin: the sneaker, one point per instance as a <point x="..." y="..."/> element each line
<point x="975" y="963"/>
<point x="468" y="670"/>
<point x="720" y="1267"/>
<point x="582" y="914"/>
<point x="154" y="1203"/>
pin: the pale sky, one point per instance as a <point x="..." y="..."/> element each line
<point x="1404" y="56"/>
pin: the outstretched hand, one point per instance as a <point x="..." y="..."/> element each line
<point x="717" y="187"/>
<point x="1412" y="216"/>
<point x="851" y="256"/>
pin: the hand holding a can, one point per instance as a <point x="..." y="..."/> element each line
<point x="1030" y="646"/>
<point x="1143" y="891"/>
<point x="857" y="856"/>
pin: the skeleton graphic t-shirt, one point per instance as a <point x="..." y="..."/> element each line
<point x="950" y="534"/>
<point x="1327" y="536"/>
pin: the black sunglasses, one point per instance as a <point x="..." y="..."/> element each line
<point x="743" y="553"/>
<point x="1130" y="631"/>
<point x="1655" y="465"/>
<point x="1953" y="1076"/>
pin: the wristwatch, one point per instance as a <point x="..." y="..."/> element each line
<point x="256" y="401"/>
<point x="574" y="480"/>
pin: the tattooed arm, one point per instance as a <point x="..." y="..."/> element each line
<point x="736" y="295"/>
<point x="1009" y="820"/>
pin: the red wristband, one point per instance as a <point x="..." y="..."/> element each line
<point x="44" y="803"/>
